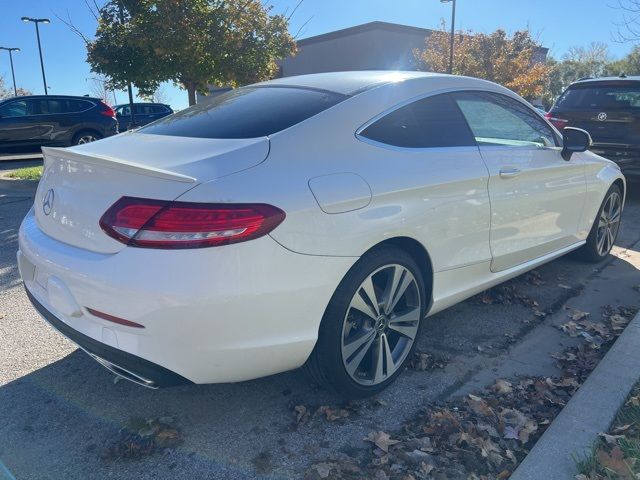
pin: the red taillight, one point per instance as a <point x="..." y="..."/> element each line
<point x="106" y="110"/>
<point x="559" y="123"/>
<point x="141" y="222"/>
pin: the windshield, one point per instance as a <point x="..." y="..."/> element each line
<point x="247" y="112"/>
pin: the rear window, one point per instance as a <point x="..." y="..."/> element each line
<point x="600" y="97"/>
<point x="247" y="112"/>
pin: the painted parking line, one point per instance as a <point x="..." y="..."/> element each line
<point x="5" y="474"/>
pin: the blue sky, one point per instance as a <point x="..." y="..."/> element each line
<point x="559" y="24"/>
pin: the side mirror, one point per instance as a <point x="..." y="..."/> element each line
<point x="574" y="140"/>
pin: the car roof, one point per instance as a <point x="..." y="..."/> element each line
<point x="50" y="97"/>
<point x="347" y="83"/>
<point x="141" y="103"/>
<point x="609" y="80"/>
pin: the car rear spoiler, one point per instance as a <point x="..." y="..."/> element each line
<point x="114" y="163"/>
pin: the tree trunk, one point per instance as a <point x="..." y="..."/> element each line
<point x="191" y="89"/>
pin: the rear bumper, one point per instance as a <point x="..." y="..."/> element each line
<point x="210" y="315"/>
<point x="129" y="366"/>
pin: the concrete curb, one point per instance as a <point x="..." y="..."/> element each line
<point x="590" y="411"/>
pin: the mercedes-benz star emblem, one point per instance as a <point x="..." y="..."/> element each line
<point x="602" y="116"/>
<point x="47" y="201"/>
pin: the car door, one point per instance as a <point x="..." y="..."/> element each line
<point x="424" y="158"/>
<point x="536" y="196"/>
<point x="19" y="123"/>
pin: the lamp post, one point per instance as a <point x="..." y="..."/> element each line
<point x="453" y="24"/>
<point x="37" y="21"/>
<point x="13" y="73"/>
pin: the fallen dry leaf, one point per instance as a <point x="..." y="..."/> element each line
<point x="381" y="439"/>
<point x="616" y="462"/>
<point x="333" y="414"/>
<point x="502" y="387"/>
<point x="611" y="439"/>
<point x="576" y="315"/>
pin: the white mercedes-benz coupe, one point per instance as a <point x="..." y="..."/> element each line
<point x="314" y="220"/>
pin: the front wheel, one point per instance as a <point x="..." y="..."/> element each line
<point x="369" y="329"/>
<point x="605" y="228"/>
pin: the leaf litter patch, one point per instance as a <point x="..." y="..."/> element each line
<point x="487" y="434"/>
<point x="142" y="438"/>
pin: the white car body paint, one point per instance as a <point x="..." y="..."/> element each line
<point x="246" y="310"/>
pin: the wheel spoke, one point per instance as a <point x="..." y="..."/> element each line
<point x="349" y="349"/>
<point x="603" y="220"/>
<point x="404" y="284"/>
<point x="412" y="317"/>
<point x="355" y="362"/>
<point x="601" y="238"/>
<point x="359" y="304"/>
<point x="370" y="292"/>
<point x="391" y="365"/>
<point x="378" y="370"/>
<point x="404" y="330"/>
<point x="611" y="237"/>
<point x="392" y="286"/>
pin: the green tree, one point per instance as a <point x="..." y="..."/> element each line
<point x="193" y="43"/>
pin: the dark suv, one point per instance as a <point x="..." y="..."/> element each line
<point x="54" y="120"/>
<point x="609" y="109"/>
<point x="143" y="113"/>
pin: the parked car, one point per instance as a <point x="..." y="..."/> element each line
<point x="310" y="220"/>
<point x="609" y="109"/>
<point x="54" y="120"/>
<point x="143" y="113"/>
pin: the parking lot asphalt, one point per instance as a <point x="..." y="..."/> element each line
<point x="60" y="410"/>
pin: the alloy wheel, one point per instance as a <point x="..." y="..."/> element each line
<point x="608" y="223"/>
<point x="86" y="139"/>
<point x="381" y="324"/>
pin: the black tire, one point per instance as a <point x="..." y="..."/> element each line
<point x="83" y="134"/>
<point x="590" y="251"/>
<point x="325" y="364"/>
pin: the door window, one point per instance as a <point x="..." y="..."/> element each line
<point x="14" y="109"/>
<point x="426" y="123"/>
<point x="497" y="119"/>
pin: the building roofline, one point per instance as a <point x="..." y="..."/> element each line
<point x="376" y="25"/>
<point x="394" y="27"/>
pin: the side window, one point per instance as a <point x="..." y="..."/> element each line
<point x="125" y="111"/>
<point x="54" y="106"/>
<point x="426" y="123"/>
<point x="75" y="106"/>
<point x="497" y="119"/>
<point x="14" y="109"/>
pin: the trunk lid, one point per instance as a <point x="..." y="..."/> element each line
<point x="79" y="184"/>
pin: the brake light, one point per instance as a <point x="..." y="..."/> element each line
<point x="106" y="110"/>
<point x="141" y="222"/>
<point x="559" y="123"/>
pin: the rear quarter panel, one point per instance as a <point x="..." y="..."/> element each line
<point x="600" y="175"/>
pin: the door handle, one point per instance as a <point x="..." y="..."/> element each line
<point x="509" y="172"/>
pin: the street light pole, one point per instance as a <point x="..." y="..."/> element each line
<point x="13" y="73"/>
<point x="453" y="26"/>
<point x="37" y="21"/>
